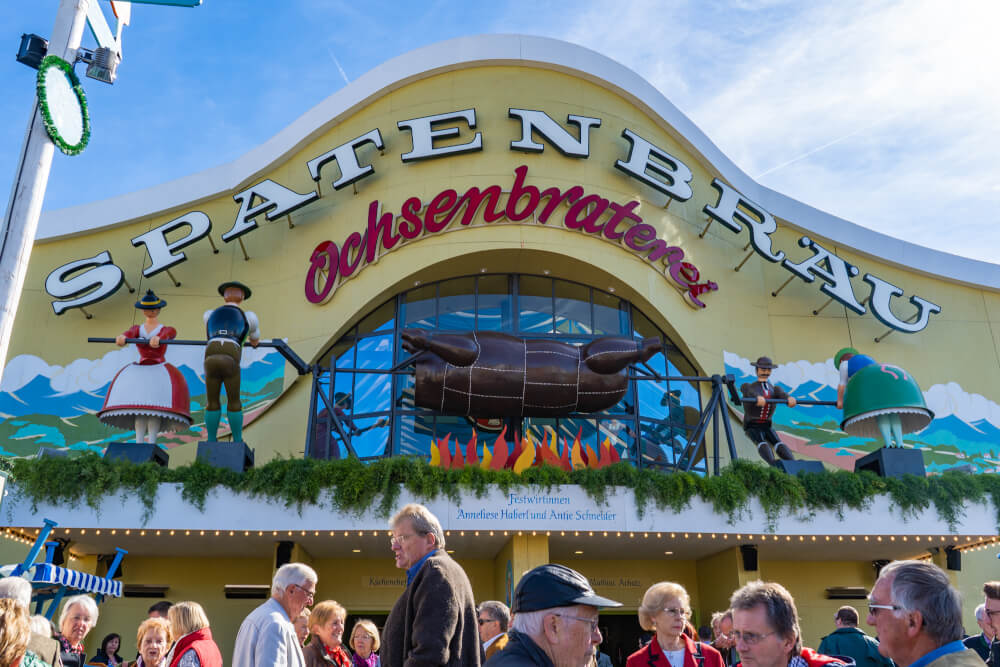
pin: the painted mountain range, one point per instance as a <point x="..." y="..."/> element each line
<point x="965" y="430"/>
<point x="44" y="405"/>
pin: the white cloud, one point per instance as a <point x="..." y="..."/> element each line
<point x="902" y="95"/>
<point x="92" y="374"/>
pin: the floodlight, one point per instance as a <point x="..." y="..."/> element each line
<point x="33" y="48"/>
<point x="104" y="66"/>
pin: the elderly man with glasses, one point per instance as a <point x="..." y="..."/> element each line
<point x="267" y="637"/>
<point x="766" y="629"/>
<point x="917" y="616"/>
<point x="434" y="621"/>
<point x="494" y="617"/>
<point x="555" y="620"/>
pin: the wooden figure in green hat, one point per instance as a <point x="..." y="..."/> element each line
<point x="148" y="395"/>
<point x="878" y="400"/>
<point x="228" y="327"/>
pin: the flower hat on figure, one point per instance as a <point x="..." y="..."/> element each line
<point x="878" y="399"/>
<point x="148" y="395"/>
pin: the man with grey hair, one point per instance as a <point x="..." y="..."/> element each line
<point x="434" y="621"/>
<point x="19" y="590"/>
<point x="494" y="617"/>
<point x="981" y="643"/>
<point x="766" y="629"/>
<point x="917" y="615"/>
<point x="267" y="637"/>
<point x="555" y="620"/>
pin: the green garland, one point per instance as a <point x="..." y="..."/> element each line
<point x="43" y="105"/>
<point x="355" y="487"/>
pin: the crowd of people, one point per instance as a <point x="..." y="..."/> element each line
<point x="553" y="621"/>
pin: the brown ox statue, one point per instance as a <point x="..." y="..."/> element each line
<point x="488" y="374"/>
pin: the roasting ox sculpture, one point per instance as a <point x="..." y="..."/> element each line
<point x="487" y="374"/>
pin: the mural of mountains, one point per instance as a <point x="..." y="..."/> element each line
<point x="42" y="405"/>
<point x="965" y="430"/>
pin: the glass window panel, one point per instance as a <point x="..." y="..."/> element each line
<point x="686" y="392"/>
<point x="610" y="317"/>
<point x="341" y="354"/>
<point x="535" y="304"/>
<point x="372" y="392"/>
<point x="418" y="308"/>
<point x="382" y="319"/>
<point x="375" y="352"/>
<point x="495" y="304"/>
<point x="621" y="437"/>
<point x="457" y="305"/>
<point x="321" y="430"/>
<point x="343" y="390"/>
<point x="660" y="443"/>
<point x="413" y="434"/>
<point x="403" y="394"/>
<point x="371" y="437"/>
<point x="654" y="399"/>
<point x="572" y="314"/>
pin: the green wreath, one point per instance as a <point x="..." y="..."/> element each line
<point x="43" y="105"/>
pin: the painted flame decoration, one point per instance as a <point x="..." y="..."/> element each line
<point x="525" y="454"/>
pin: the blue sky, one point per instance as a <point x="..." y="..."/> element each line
<point x="881" y="112"/>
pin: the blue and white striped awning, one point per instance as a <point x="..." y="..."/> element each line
<point x="44" y="573"/>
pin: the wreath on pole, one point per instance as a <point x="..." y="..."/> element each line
<point x="56" y="66"/>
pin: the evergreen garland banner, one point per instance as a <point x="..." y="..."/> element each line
<point x="51" y="116"/>
<point x="356" y="487"/>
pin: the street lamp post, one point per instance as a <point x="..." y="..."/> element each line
<point x="20" y="222"/>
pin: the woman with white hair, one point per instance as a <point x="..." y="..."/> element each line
<point x="665" y="610"/>
<point x="78" y="617"/>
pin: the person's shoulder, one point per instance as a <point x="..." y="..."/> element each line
<point x="639" y="657"/>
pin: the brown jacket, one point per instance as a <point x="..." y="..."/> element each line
<point x="316" y="657"/>
<point x="45" y="648"/>
<point x="497" y="645"/>
<point x="433" y="623"/>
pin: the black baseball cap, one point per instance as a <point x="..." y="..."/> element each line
<point x="554" y="585"/>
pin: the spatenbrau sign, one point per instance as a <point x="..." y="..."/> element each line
<point x="92" y="279"/>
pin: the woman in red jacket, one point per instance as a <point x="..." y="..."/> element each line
<point x="194" y="647"/>
<point x="665" y="610"/>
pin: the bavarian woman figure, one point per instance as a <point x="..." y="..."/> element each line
<point x="148" y="395"/>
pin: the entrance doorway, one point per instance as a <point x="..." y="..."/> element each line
<point x="621" y="634"/>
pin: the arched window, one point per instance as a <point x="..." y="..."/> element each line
<point x="375" y="407"/>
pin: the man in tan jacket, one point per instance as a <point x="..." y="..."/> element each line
<point x="494" y="617"/>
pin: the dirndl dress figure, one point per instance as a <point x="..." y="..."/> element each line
<point x="148" y="395"/>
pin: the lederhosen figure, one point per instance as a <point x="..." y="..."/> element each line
<point x="227" y="327"/>
<point x="757" y="415"/>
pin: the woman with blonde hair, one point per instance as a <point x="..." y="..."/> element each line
<point x="153" y="640"/>
<point x="665" y="609"/>
<point x="365" y="643"/>
<point x="326" y="623"/>
<point x="301" y="624"/>
<point x="195" y="646"/>
<point x="14" y="635"/>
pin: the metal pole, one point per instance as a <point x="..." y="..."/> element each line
<point x="20" y="223"/>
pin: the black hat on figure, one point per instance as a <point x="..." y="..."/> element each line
<point x="551" y="585"/>
<point x="234" y="283"/>
<point x="150" y="302"/>
<point x="763" y="362"/>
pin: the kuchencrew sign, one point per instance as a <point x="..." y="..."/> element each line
<point x="92" y="279"/>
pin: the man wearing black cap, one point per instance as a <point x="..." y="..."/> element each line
<point x="228" y="327"/>
<point x="555" y="620"/>
<point x="757" y="415"/>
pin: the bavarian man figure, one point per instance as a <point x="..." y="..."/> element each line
<point x="757" y="415"/>
<point x="228" y="327"/>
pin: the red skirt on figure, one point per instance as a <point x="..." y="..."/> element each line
<point x="150" y="387"/>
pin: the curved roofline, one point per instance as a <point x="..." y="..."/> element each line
<point x="522" y="50"/>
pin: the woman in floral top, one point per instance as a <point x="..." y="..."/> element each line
<point x="78" y="617"/>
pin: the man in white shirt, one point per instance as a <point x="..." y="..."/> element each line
<point x="267" y="637"/>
